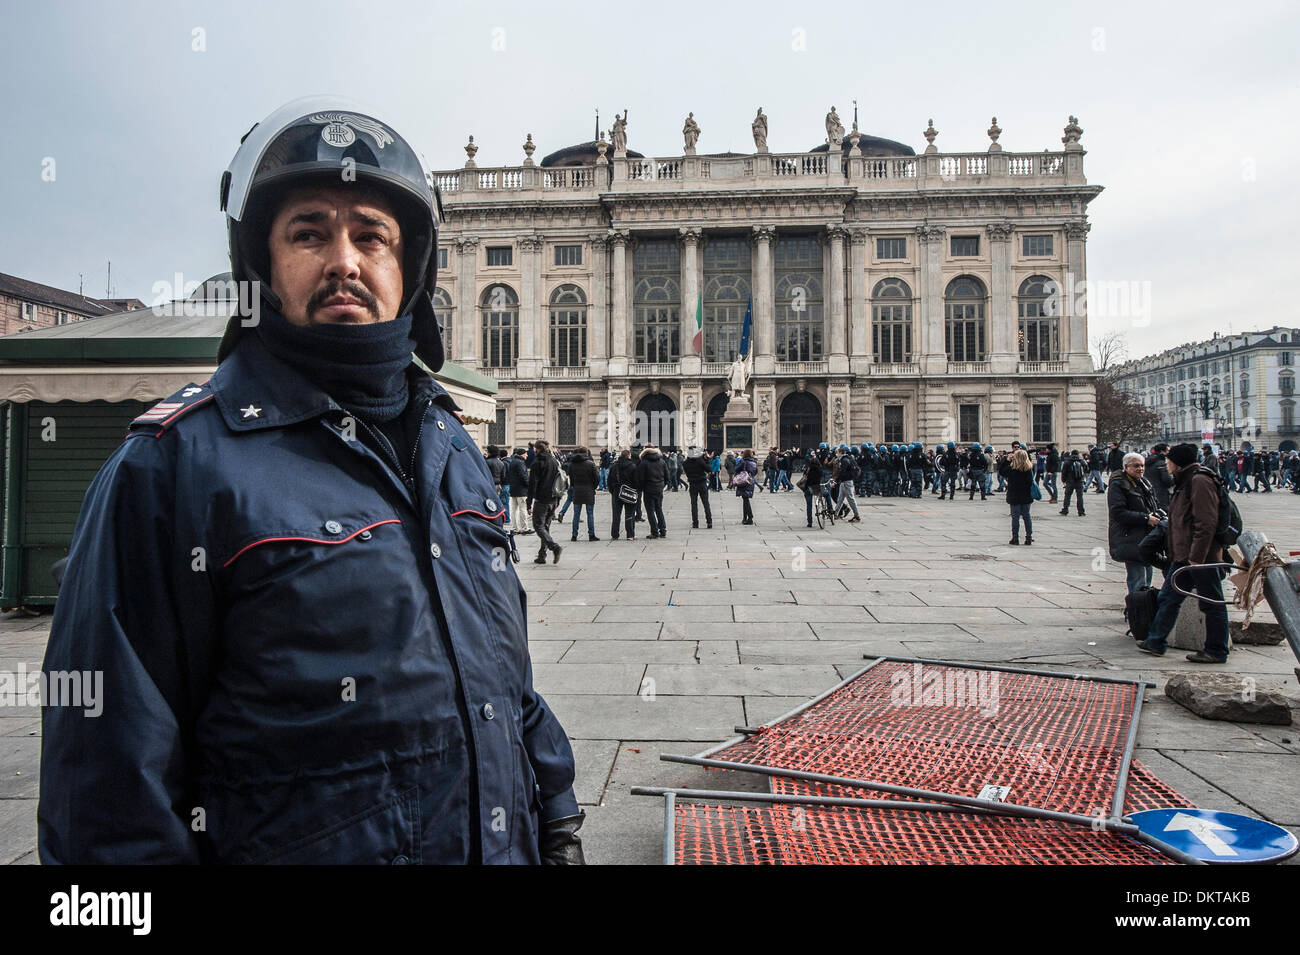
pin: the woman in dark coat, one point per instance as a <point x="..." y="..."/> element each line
<point x="1131" y="503"/>
<point x="745" y="491"/>
<point x="812" y="484"/>
<point x="1018" y="474"/>
<point x="583" y="478"/>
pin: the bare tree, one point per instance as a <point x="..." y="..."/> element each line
<point x="1109" y="349"/>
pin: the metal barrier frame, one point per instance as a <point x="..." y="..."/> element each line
<point x="1116" y="821"/>
<point x="670" y="795"/>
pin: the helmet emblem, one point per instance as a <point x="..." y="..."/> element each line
<point x="340" y="129"/>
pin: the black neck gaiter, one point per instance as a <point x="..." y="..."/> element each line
<point x="362" y="367"/>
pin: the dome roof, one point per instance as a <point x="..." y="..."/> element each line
<point x="218" y="288"/>
<point x="870" y="146"/>
<point x="582" y="154"/>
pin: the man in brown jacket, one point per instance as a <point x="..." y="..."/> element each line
<point x="1193" y="521"/>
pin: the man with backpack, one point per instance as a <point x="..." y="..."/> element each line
<point x="846" y="473"/>
<point x="1202" y="521"/>
<point x="1072" y="476"/>
<point x="1096" y="463"/>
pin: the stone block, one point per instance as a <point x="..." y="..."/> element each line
<point x="1234" y="699"/>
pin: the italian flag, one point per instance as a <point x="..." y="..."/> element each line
<point x="698" y="341"/>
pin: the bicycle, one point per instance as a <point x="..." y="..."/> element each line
<point x="824" y="511"/>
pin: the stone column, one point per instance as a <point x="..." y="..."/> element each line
<point x="764" y="316"/>
<point x="689" y="239"/>
<point x="930" y="349"/>
<point x="618" y="359"/>
<point x="467" y="314"/>
<point x="692" y="413"/>
<point x="597" y="325"/>
<point x="859" y="318"/>
<point x="532" y="325"/>
<point x="837" y="410"/>
<point x="839" y="356"/>
<point x="1074" y="321"/>
<point x="1002" y="341"/>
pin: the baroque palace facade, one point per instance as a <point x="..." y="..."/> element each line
<point x="894" y="296"/>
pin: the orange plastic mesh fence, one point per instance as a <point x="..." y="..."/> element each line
<point x="712" y="834"/>
<point x="1055" y="742"/>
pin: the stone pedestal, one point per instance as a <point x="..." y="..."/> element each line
<point x="1189" y="631"/>
<point x="739" y="424"/>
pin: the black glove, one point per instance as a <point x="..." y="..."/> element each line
<point x="558" y="841"/>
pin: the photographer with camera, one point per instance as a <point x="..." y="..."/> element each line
<point x="1133" y="512"/>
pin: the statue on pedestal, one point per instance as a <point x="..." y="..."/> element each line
<point x="834" y="128"/>
<point x="738" y="376"/>
<point x="619" y="134"/>
<point x="691" y="133"/>
<point x="759" y="126"/>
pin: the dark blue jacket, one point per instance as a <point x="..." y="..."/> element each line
<point x="302" y="660"/>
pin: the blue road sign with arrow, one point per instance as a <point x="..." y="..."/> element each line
<point x="1217" y="836"/>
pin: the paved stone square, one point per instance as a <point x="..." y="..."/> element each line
<point x="644" y="647"/>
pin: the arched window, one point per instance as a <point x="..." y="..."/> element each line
<point x="1039" y="307"/>
<point x="442" y="308"/>
<point x="727" y="293"/>
<point x="800" y="323"/>
<point x="500" y="309"/>
<point x="891" y="321"/>
<point x="964" y="313"/>
<point x="1286" y="382"/>
<point x="656" y="301"/>
<point x="568" y="326"/>
<point x="1245" y="385"/>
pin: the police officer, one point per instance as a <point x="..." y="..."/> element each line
<point x="916" y="468"/>
<point x="291" y="576"/>
<point x="979" y="466"/>
<point x="870" y="462"/>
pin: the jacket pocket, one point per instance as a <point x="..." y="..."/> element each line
<point x="386" y="834"/>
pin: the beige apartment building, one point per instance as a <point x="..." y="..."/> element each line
<point x="1239" y="388"/>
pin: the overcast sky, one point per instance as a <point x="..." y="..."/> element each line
<point x="1189" y="112"/>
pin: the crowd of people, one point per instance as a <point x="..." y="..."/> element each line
<point x="1149" y="526"/>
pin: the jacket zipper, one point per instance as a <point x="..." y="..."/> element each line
<point x="388" y="450"/>
<point x="415" y="446"/>
<point x="408" y="478"/>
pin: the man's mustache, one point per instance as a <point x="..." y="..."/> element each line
<point x="352" y="289"/>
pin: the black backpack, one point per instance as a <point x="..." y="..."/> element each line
<point x="1074" y="470"/>
<point x="1140" y="606"/>
<point x="1229" y="526"/>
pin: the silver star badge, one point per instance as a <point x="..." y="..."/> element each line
<point x="252" y="411"/>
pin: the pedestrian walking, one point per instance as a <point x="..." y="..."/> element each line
<point x="1017" y="472"/>
<point x="745" y="465"/>
<point x="1052" y="469"/>
<point x="811" y="484"/>
<point x="1073" y="474"/>
<point x="846" y="473"/>
<point x="697" y="485"/>
<point x="623" y="494"/>
<point x="541" y="499"/>
<point x="583" y="478"/>
<point x="516" y="474"/>
<point x="652" y="478"/>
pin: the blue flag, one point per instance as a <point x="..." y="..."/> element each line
<point x="744" y="330"/>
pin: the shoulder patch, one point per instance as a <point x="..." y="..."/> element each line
<point x="162" y="415"/>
